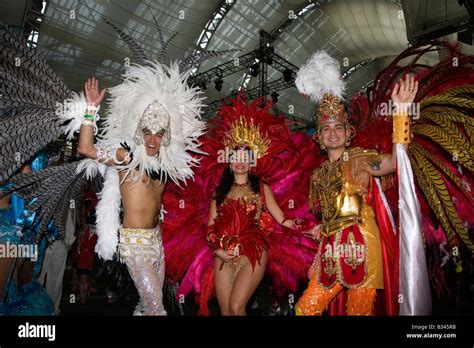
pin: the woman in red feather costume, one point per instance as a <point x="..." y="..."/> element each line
<point x="238" y="232"/>
<point x="243" y="206"/>
<point x="254" y="180"/>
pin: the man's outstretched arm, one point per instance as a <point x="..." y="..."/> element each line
<point x="86" y="146"/>
<point x="403" y="95"/>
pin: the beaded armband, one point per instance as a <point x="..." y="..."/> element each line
<point x="401" y="129"/>
<point x="91" y="117"/>
<point x="105" y="153"/>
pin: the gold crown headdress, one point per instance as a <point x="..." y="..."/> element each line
<point x="331" y="108"/>
<point x="242" y="132"/>
<point x="249" y="125"/>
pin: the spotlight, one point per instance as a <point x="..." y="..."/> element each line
<point x="275" y="96"/>
<point x="288" y="75"/>
<point x="218" y="84"/>
<point x="254" y="70"/>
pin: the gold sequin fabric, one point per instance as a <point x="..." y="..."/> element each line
<point x="142" y="242"/>
<point x="235" y="265"/>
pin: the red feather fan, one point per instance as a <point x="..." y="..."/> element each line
<point x="236" y="229"/>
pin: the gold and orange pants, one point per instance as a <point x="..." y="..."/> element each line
<point x="316" y="298"/>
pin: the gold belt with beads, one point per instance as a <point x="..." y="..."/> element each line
<point x="139" y="236"/>
<point x="331" y="227"/>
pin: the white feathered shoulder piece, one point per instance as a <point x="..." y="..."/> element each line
<point x="320" y="75"/>
<point x="156" y="96"/>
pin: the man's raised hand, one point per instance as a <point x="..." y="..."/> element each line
<point x="91" y="89"/>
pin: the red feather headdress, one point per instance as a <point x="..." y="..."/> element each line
<point x="250" y="124"/>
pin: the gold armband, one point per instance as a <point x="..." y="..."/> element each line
<point x="401" y="129"/>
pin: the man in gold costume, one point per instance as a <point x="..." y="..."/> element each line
<point x="350" y="254"/>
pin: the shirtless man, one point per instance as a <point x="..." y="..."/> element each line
<point x="141" y="200"/>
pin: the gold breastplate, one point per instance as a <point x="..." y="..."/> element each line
<point x="340" y="188"/>
<point x="328" y="184"/>
<point x="348" y="205"/>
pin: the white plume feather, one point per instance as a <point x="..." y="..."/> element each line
<point x="91" y="168"/>
<point x="108" y="215"/>
<point x="320" y="75"/>
<point x="72" y="110"/>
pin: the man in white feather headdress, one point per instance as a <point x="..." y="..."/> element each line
<point x="152" y="123"/>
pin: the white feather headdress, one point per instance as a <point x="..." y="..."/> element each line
<point x="142" y="86"/>
<point x="320" y="75"/>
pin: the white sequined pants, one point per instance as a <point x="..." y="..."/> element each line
<point x="142" y="251"/>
